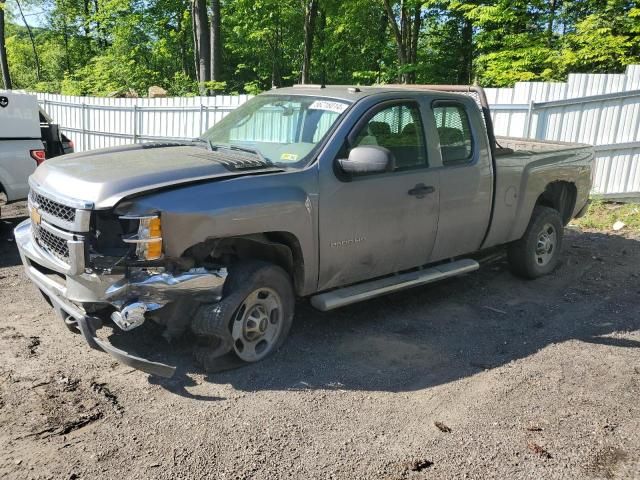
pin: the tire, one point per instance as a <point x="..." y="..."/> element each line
<point x="254" y="316"/>
<point x="537" y="253"/>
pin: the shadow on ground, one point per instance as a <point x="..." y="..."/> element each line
<point x="443" y="332"/>
<point x="9" y="255"/>
<point x="430" y="335"/>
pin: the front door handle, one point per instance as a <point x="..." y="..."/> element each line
<point x="420" y="190"/>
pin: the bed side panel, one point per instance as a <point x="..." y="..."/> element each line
<point x="521" y="177"/>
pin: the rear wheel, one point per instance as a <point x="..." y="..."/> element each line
<point x="537" y="253"/>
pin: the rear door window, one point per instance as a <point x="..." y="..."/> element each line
<point x="454" y="131"/>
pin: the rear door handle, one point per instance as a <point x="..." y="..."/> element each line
<point x="420" y="190"/>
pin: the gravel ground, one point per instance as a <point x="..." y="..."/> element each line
<point x="483" y="376"/>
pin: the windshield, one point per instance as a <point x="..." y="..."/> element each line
<point x="284" y="129"/>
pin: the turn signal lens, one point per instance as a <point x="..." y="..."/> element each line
<point x="148" y="240"/>
<point x="151" y="231"/>
<point x="149" y="228"/>
<point x="153" y="250"/>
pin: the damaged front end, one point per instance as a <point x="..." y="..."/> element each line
<point x="145" y="291"/>
<point x="93" y="266"/>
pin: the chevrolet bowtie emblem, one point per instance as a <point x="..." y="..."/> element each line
<point x="35" y="216"/>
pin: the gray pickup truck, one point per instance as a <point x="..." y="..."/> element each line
<point x="338" y="194"/>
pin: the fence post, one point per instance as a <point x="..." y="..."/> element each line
<point x="85" y="137"/>
<point x="527" y="120"/>
<point x="135" y="123"/>
<point x="201" y="119"/>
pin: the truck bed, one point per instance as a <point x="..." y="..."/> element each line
<point x="528" y="145"/>
<point x="525" y="167"/>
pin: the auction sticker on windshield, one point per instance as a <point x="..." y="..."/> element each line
<point x="336" y="107"/>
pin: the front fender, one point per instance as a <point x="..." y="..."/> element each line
<point x="237" y="207"/>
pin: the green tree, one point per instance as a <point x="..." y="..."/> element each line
<point x="102" y="47"/>
<point x="606" y="39"/>
<point x="4" y="65"/>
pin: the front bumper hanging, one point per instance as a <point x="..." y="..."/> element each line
<point x="54" y="287"/>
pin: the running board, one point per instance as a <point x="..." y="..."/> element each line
<point x="375" y="288"/>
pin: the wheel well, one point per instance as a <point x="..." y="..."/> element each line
<point x="560" y="196"/>
<point x="280" y="248"/>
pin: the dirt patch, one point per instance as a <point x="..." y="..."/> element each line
<point x="419" y="465"/>
<point x="34" y="343"/>
<point x="102" y="390"/>
<point x="442" y="427"/>
<point x="606" y="462"/>
<point x="61" y="404"/>
<point x="538" y="450"/>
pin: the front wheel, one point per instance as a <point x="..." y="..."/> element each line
<point x="254" y="316"/>
<point x="537" y="253"/>
<point x="259" y="327"/>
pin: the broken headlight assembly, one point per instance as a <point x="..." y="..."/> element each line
<point x="148" y="238"/>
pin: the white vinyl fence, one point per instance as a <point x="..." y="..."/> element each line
<point x="599" y="109"/>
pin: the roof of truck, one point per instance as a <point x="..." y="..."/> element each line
<point x="344" y="92"/>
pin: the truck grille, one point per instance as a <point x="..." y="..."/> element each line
<point x="50" y="242"/>
<point x="67" y="214"/>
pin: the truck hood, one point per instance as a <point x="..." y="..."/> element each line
<point x="104" y="177"/>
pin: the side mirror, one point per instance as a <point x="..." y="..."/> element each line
<point x="368" y="159"/>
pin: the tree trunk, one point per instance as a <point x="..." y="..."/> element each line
<point x="322" y="25"/>
<point x="195" y="41"/>
<point x="201" y="25"/>
<point x="33" y="42"/>
<point x="413" y="41"/>
<point x="87" y="16"/>
<point x="102" y="43"/>
<point x="276" y="48"/>
<point x="276" y="76"/>
<point x="65" y="40"/>
<point x="381" y="45"/>
<point x="4" y="66"/>
<point x="397" y="33"/>
<point x="216" y="42"/>
<point x="310" y="14"/>
<point x="465" y="71"/>
<point x="553" y="4"/>
<point x="406" y="35"/>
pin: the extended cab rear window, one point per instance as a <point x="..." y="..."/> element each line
<point x="454" y="131"/>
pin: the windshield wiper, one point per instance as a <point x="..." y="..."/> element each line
<point x="215" y="146"/>
<point x="253" y="151"/>
<point x="203" y="140"/>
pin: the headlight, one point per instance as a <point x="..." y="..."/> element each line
<point x="148" y="240"/>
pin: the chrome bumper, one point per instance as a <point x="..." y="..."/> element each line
<point x="78" y="288"/>
<point x="67" y="292"/>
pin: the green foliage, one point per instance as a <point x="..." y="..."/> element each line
<point x="603" y="41"/>
<point x="525" y="41"/>
<point x="602" y="215"/>
<point x="102" y="47"/>
<point x="182" y="85"/>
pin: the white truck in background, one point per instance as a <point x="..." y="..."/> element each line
<point x="27" y="138"/>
